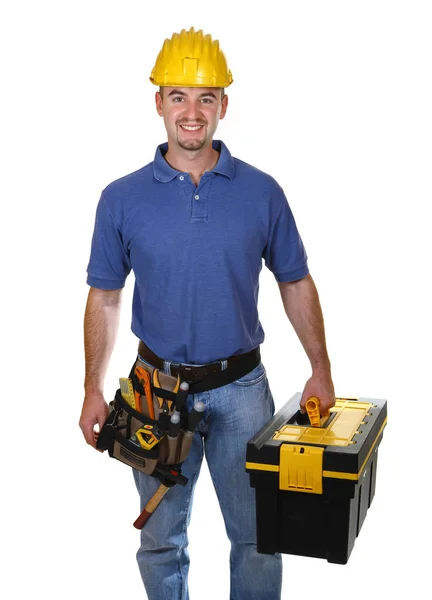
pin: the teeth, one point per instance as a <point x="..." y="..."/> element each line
<point x="189" y="128"/>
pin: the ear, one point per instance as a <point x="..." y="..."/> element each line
<point x="159" y="102"/>
<point x="224" y="106"/>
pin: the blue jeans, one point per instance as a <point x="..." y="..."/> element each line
<point x="234" y="413"/>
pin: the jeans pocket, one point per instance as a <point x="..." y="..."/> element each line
<point x="253" y="377"/>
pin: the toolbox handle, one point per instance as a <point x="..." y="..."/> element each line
<point x="312" y="415"/>
<point x="313" y="411"/>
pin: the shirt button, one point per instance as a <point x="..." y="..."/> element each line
<point x="197" y="197"/>
<point x="181" y="177"/>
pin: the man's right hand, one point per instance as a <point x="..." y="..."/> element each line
<point x="94" y="412"/>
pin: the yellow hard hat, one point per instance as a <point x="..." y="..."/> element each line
<point x="191" y="59"/>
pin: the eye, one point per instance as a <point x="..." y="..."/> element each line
<point x="178" y="99"/>
<point x="207" y="101"/>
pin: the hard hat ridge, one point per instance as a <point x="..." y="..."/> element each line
<point x="191" y="59"/>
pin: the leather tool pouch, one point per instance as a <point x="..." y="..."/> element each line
<point x="139" y="435"/>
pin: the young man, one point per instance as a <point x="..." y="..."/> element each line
<point x="194" y="225"/>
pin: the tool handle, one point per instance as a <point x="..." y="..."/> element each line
<point x="174" y="424"/>
<point x="195" y="415"/>
<point x="151" y="506"/>
<point x="312" y="409"/>
<point x="182" y="394"/>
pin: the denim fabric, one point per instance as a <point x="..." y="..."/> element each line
<point x="234" y="413"/>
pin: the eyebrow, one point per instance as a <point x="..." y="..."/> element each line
<point x="180" y="93"/>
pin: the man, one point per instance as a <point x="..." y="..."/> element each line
<point x="194" y="225"/>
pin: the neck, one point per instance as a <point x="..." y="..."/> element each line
<point x="194" y="162"/>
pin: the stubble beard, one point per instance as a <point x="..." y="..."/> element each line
<point x="192" y="144"/>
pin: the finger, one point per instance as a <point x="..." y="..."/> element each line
<point x="96" y="435"/>
<point x="102" y="417"/>
<point x="325" y="408"/>
<point x="88" y="433"/>
<point x="303" y="404"/>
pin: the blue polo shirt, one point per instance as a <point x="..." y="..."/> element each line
<point x="196" y="253"/>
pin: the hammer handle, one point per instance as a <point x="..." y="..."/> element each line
<point x="151" y="506"/>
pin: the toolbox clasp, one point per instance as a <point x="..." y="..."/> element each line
<point x="301" y="468"/>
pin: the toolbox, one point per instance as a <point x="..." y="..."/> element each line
<point x="314" y="484"/>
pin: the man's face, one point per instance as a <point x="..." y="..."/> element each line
<point x="191" y="115"/>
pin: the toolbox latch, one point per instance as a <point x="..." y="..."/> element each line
<point x="301" y="468"/>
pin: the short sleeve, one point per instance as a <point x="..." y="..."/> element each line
<point x="109" y="263"/>
<point x="284" y="253"/>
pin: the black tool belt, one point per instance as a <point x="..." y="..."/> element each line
<point x="208" y="376"/>
<point x="149" y="427"/>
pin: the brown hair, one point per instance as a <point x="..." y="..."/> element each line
<point x="222" y="95"/>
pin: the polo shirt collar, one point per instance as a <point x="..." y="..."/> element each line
<point x="164" y="172"/>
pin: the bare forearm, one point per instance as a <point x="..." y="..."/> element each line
<point x="100" y="330"/>
<point x="302" y="306"/>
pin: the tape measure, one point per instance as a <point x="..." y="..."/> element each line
<point x="148" y="436"/>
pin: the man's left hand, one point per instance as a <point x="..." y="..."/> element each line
<point x="321" y="386"/>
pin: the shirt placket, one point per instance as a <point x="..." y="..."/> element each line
<point x="198" y="195"/>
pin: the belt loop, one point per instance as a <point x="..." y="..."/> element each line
<point x="224" y="364"/>
<point x="167" y="367"/>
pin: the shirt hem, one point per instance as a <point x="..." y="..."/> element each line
<point x="292" y="275"/>
<point x="105" y="284"/>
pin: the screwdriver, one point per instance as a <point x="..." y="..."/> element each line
<point x="195" y="416"/>
<point x="174" y="426"/>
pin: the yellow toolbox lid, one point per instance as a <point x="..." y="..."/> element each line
<point x="303" y="455"/>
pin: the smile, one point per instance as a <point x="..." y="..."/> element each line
<point x="191" y="127"/>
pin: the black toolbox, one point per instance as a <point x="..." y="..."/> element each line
<point x="314" y="485"/>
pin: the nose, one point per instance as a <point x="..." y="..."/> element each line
<point x="192" y="111"/>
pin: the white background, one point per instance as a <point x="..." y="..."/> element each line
<point x="332" y="98"/>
